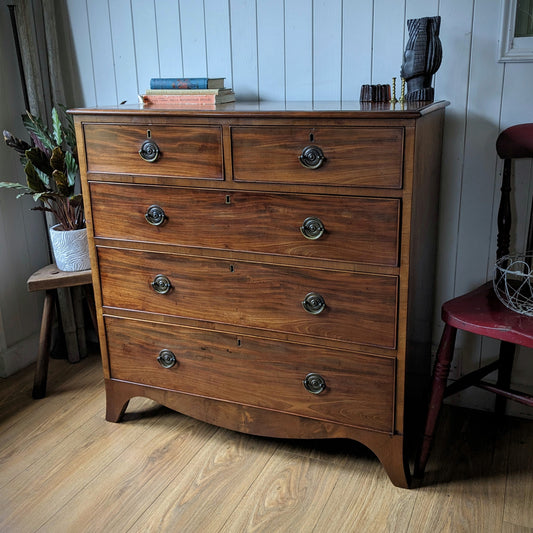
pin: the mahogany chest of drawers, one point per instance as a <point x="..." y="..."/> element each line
<point x="266" y="270"/>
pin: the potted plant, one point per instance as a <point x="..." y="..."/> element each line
<point x="51" y="168"/>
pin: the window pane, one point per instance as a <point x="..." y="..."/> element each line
<point x="524" y="18"/>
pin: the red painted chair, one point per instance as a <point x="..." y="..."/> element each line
<point x="482" y="313"/>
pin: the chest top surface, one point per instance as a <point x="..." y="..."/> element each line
<point x="325" y="109"/>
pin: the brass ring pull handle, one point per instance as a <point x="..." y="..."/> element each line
<point x="161" y="284"/>
<point x="314" y="383"/>
<point x="155" y="215"/>
<point x="312" y="157"/>
<point x="149" y="151"/>
<point x="312" y="228"/>
<point x="314" y="303"/>
<point x="166" y="359"/>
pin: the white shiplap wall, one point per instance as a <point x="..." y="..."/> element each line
<point x="323" y="50"/>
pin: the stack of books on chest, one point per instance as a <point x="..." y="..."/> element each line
<point x="187" y="91"/>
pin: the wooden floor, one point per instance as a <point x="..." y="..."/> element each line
<point x="63" y="468"/>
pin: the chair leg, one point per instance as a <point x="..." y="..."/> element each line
<point x="438" y="386"/>
<point x="41" y="370"/>
<point x="505" y="370"/>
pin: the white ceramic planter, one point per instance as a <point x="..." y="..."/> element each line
<point x="70" y="249"/>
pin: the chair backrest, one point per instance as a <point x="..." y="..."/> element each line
<point x="512" y="143"/>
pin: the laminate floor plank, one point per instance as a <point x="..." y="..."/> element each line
<point x="464" y="486"/>
<point x="41" y="425"/>
<point x="364" y="499"/>
<point x="513" y="528"/>
<point x="11" y="387"/>
<point x="26" y="446"/>
<point x="39" y="492"/>
<point x="288" y="495"/>
<point x="202" y="497"/>
<point x="114" y="499"/>
<point x="16" y="401"/>
<point x="519" y="490"/>
<point x="330" y="450"/>
<point x="65" y="467"/>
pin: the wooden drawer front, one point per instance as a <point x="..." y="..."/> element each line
<point x="360" y="308"/>
<point x="185" y="151"/>
<point x="362" y="230"/>
<point x="359" y="389"/>
<point x="357" y="156"/>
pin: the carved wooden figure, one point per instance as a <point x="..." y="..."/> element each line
<point x="422" y="58"/>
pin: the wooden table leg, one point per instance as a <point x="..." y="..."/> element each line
<point x="41" y="370"/>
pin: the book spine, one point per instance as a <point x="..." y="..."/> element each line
<point x="178" y="83"/>
<point x="179" y="99"/>
<point x="188" y="91"/>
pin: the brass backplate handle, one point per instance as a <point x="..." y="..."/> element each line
<point x="314" y="383"/>
<point x="161" y="284"/>
<point x="314" y="303"/>
<point x="312" y="157"/>
<point x="149" y="151"/>
<point x="312" y="228"/>
<point x="166" y="359"/>
<point x="155" y="215"/>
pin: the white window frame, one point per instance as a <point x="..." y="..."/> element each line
<point x="513" y="49"/>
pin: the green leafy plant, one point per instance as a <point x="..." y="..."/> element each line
<point x="51" y="167"/>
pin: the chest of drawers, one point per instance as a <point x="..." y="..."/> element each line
<point x="266" y="270"/>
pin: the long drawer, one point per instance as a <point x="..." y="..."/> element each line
<point x="346" y="306"/>
<point x="346" y="156"/>
<point x="359" y="389"/>
<point x="358" y="229"/>
<point x="182" y="151"/>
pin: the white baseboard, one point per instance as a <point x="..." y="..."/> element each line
<point x="19" y="356"/>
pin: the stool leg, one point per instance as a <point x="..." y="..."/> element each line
<point x="89" y="296"/>
<point x="438" y="386"/>
<point x="41" y="370"/>
<point x="505" y="369"/>
<point x="66" y="307"/>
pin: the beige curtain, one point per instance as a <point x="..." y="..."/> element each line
<point x="37" y="30"/>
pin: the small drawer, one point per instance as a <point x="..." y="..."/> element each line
<point x="343" y="156"/>
<point x="345" y="306"/>
<point x="175" y="151"/>
<point x="354" y="229"/>
<point x="349" y="388"/>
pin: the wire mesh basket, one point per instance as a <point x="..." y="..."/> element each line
<point x="513" y="282"/>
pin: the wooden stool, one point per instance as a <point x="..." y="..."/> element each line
<point x="49" y="279"/>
